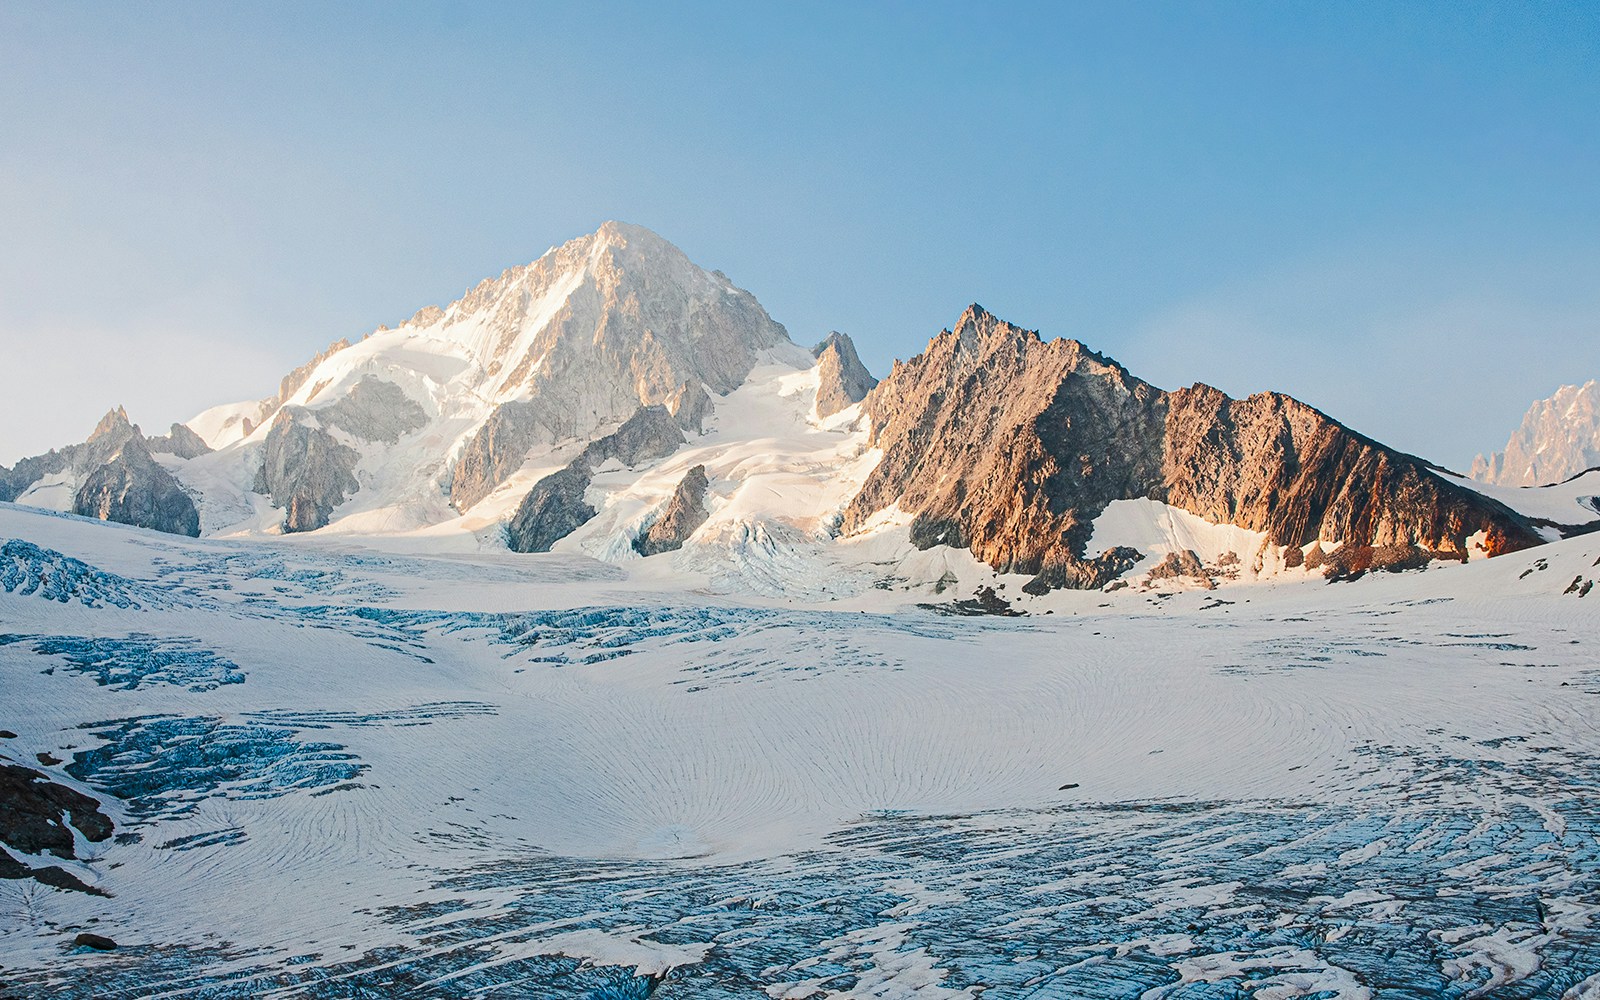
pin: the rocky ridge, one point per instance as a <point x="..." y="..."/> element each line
<point x="1000" y="442"/>
<point x="556" y="507"/>
<point x="113" y="476"/>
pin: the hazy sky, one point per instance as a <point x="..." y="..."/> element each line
<point x="1390" y="210"/>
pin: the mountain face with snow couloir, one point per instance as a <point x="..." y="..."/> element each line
<point x="509" y="418"/>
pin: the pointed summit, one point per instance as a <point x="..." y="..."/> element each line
<point x="843" y="380"/>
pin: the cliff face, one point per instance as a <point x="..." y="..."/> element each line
<point x="555" y="507"/>
<point x="307" y="471"/>
<point x="130" y="488"/>
<point x="843" y="380"/>
<point x="1011" y="446"/>
<point x="589" y="333"/>
<point x="683" y="513"/>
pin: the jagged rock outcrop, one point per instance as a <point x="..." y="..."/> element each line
<point x="129" y="487"/>
<point x="682" y="515"/>
<point x="1559" y="438"/>
<point x="585" y="335"/>
<point x="373" y="410"/>
<point x="307" y="471"/>
<point x="555" y="507"/>
<point x="843" y="380"/>
<point x="690" y="406"/>
<point x="179" y="441"/>
<point x="112" y="477"/>
<point x="107" y="439"/>
<point x="500" y="446"/>
<point x="1011" y="446"/>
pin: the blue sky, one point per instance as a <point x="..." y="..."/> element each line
<point x="1389" y="210"/>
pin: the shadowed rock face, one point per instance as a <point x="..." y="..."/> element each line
<point x="179" y="441"/>
<point x="500" y="446"/>
<point x="116" y="478"/>
<point x="843" y="380"/>
<point x="690" y="406"/>
<point x="1011" y="446"/>
<point x="304" y="470"/>
<point x="308" y="472"/>
<point x="555" y="507"/>
<point x="130" y="488"/>
<point x="108" y="437"/>
<point x="684" y="512"/>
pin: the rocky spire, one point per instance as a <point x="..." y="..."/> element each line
<point x="842" y="380"/>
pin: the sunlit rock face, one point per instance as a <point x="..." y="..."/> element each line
<point x="1559" y="438"/>
<point x="588" y="333"/>
<point x="1009" y="445"/>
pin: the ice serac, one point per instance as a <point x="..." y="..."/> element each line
<point x="843" y="380"/>
<point x="129" y="487"/>
<point x="1559" y="438"/>
<point x="1000" y="442"/>
<point x="555" y="507"/>
<point x="683" y="513"/>
<point x="587" y="334"/>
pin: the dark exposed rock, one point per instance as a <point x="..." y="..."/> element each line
<point x="555" y="507"/>
<point x="38" y="812"/>
<point x="690" y="406"/>
<point x="179" y="441"/>
<point x="95" y="941"/>
<point x="984" y="602"/>
<point x="684" y="513"/>
<point x="374" y="410"/>
<point x="304" y="470"/>
<point x="843" y="380"/>
<point x="129" y="487"/>
<point x="500" y="446"/>
<point x="551" y="511"/>
<point x="649" y="434"/>
<point x="1011" y="446"/>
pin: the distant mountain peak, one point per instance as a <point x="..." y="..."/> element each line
<point x="1559" y="438"/>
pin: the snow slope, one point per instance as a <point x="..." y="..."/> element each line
<point x="337" y="769"/>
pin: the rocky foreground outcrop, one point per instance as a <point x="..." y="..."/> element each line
<point x="684" y="512"/>
<point x="842" y="380"/>
<point x="38" y="816"/>
<point x="555" y="507"/>
<point x="1008" y="445"/>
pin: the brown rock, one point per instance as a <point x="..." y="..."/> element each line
<point x="1009" y="445"/>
